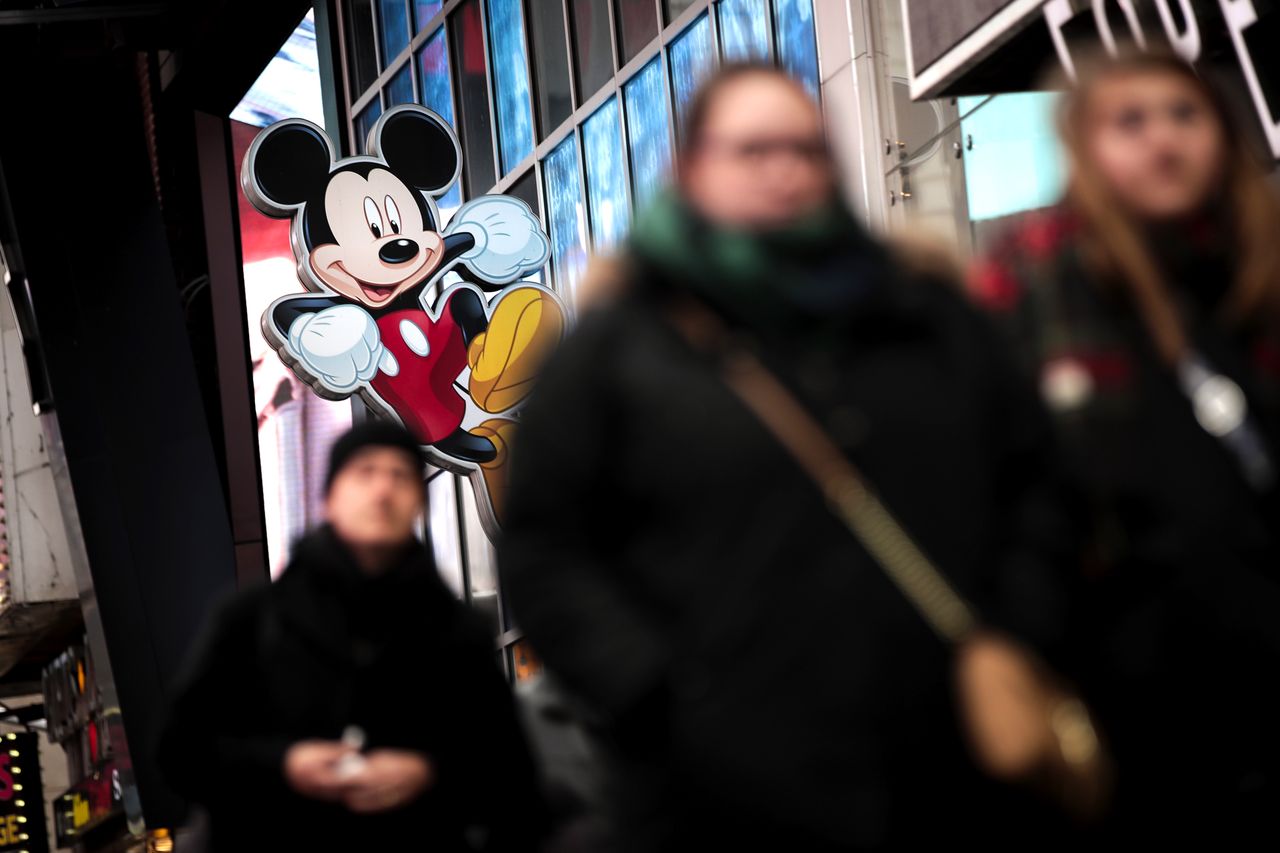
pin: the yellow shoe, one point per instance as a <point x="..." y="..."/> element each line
<point x="500" y="431"/>
<point x="526" y="325"/>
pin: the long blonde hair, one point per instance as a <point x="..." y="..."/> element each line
<point x="1113" y="243"/>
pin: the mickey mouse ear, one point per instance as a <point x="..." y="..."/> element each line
<point x="285" y="166"/>
<point x="419" y="146"/>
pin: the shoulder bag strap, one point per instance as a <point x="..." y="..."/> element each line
<point x="848" y="495"/>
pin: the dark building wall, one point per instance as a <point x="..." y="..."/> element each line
<point x="75" y="162"/>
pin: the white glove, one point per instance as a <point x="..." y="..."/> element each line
<point x="340" y="348"/>
<point x="509" y="238"/>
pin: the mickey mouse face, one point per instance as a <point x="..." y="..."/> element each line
<point x="383" y="245"/>
<point x="366" y="228"/>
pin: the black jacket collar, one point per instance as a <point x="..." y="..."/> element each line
<point x="326" y="598"/>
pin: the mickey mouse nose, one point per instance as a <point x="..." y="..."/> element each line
<point x="398" y="251"/>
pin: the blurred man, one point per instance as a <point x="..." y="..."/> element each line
<point x="353" y="704"/>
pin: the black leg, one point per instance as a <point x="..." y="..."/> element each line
<point x="467" y="446"/>
<point x="468" y="312"/>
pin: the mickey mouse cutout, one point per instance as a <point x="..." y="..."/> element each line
<point x="366" y="237"/>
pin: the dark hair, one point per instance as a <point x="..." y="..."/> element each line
<point x="699" y="111"/>
<point x="375" y="432"/>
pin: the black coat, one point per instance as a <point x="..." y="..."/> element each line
<point x="1181" y="635"/>
<point x="765" y="683"/>
<point x="325" y="647"/>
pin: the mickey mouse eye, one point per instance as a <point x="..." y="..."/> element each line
<point x="373" y="217"/>
<point x="393" y="214"/>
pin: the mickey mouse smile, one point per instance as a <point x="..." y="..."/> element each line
<point x="378" y="293"/>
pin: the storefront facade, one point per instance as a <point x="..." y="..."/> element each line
<point x="937" y="113"/>
<point x="572" y="106"/>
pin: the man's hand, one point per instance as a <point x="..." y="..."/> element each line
<point x="390" y="778"/>
<point x="311" y="769"/>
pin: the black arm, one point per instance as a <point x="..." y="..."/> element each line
<point x="206" y="748"/>
<point x="456" y="244"/>
<point x="284" y="313"/>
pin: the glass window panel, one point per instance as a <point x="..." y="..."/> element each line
<point x="675" y="7"/>
<point x="474" y="123"/>
<point x="364" y="123"/>
<point x="511" y="80"/>
<point x="362" y="63"/>
<point x="744" y="29"/>
<point x="692" y="61"/>
<point x="423" y="12"/>
<point x="480" y="558"/>
<point x="593" y="46"/>
<point x="437" y="94"/>
<point x="637" y="26"/>
<point x="526" y="189"/>
<point x="797" y="46"/>
<point x="400" y="89"/>
<point x="566" y="215"/>
<point x="290" y="84"/>
<point x="393" y="29"/>
<point x="648" y="131"/>
<point x="442" y="521"/>
<point x="1016" y="136"/>
<point x="551" y="65"/>
<point x="606" y="175"/>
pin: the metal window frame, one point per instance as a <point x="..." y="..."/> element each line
<point x="378" y="34"/>
<point x="659" y="16"/>
<point x="660" y="44"/>
<point x="467" y="191"/>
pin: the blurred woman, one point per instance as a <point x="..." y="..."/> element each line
<point x="1146" y="306"/>
<point x="765" y="684"/>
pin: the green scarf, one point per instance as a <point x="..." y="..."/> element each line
<point x="762" y="276"/>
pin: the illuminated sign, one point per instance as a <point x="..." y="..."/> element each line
<point x="90" y="803"/>
<point x="452" y="359"/>
<point x="21" y="794"/>
<point x="71" y="696"/>
<point x="946" y="39"/>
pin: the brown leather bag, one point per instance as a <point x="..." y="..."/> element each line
<point x="1023" y="724"/>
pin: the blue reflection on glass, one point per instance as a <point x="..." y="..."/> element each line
<point x="393" y="28"/>
<point x="511" y="80"/>
<point x="290" y="84"/>
<point x="1018" y="138"/>
<point x="566" y="215"/>
<point x="400" y="89"/>
<point x="364" y="123"/>
<point x="796" y="41"/>
<point x="423" y="12"/>
<point x="606" y="175"/>
<point x="649" y="131"/>
<point x="437" y="94"/>
<point x="692" y="61"/>
<point x="744" y="30"/>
